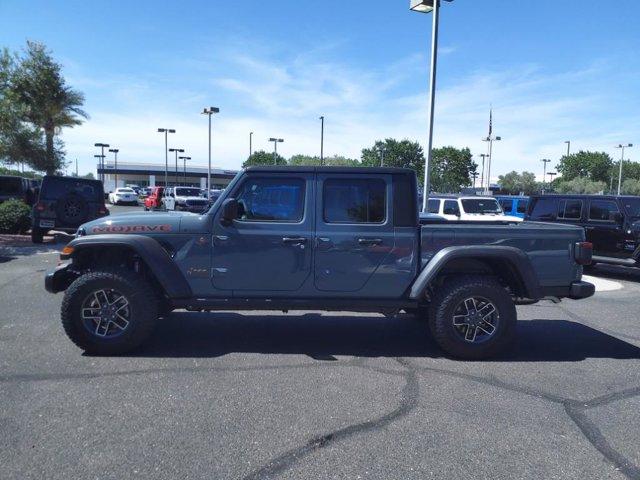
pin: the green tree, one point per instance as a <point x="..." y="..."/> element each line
<point x="20" y="142"/>
<point x="334" y="161"/>
<point x="580" y="185"/>
<point x="263" y="158"/>
<point x="515" y="183"/>
<point x="631" y="186"/>
<point x="595" y="166"/>
<point x="49" y="103"/>
<point x="89" y="176"/>
<point x="404" y="153"/>
<point x="451" y="169"/>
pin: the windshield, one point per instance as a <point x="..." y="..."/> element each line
<point x="188" y="192"/>
<point x="631" y="206"/>
<point x="481" y="206"/>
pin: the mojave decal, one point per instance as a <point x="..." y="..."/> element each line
<point x="131" y="228"/>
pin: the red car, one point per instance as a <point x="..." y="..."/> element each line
<point x="154" y="199"/>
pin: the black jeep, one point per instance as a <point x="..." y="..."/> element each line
<point x="65" y="203"/>
<point x="19" y="188"/>
<point x="611" y="222"/>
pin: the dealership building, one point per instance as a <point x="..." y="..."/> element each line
<point x="151" y="175"/>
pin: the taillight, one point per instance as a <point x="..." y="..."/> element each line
<point x="102" y="210"/>
<point x="41" y="207"/>
<point x="583" y="253"/>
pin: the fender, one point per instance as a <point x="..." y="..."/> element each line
<point x="156" y="258"/>
<point x="517" y="261"/>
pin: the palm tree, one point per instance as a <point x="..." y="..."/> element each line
<point x="49" y="102"/>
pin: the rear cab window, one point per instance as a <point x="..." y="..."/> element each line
<point x="355" y="200"/>
<point x="271" y="199"/>
<point x="506" y="204"/>
<point x="54" y="188"/>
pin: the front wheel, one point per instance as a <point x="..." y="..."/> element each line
<point x="473" y="317"/>
<point x="109" y="312"/>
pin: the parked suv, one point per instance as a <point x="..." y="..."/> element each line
<point x="465" y="208"/>
<point x="185" y="198"/>
<point x="19" y="188"/>
<point x="65" y="203"/>
<point x="611" y="223"/>
<point x="513" y="205"/>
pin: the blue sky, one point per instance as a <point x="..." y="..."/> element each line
<point x="553" y="71"/>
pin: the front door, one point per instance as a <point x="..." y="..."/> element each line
<point x="268" y="248"/>
<point x="604" y="229"/>
<point x="354" y="230"/>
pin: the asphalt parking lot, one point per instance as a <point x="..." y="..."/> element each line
<point x="309" y="395"/>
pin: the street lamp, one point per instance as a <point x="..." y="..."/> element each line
<point x="426" y="6"/>
<point x="177" y="150"/>
<point x="490" y="139"/>
<point x="250" y="144"/>
<point x="275" y="148"/>
<point x="209" y="111"/>
<point x="568" y="142"/>
<point x="544" y="173"/>
<point x="102" y="147"/>
<point x="166" y="131"/>
<point x="115" y="155"/>
<point x="622" y="147"/>
<point x="184" y="168"/>
<point x="322" y="140"/>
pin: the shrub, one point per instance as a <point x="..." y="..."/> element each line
<point x="15" y="217"/>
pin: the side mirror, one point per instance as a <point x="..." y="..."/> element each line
<point x="229" y="211"/>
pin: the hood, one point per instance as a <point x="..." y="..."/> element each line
<point x="138" y="223"/>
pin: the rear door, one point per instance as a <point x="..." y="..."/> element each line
<point x="354" y="230"/>
<point x="604" y="229"/>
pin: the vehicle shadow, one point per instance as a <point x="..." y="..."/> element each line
<point x="13" y="247"/>
<point x="615" y="272"/>
<point x="322" y="337"/>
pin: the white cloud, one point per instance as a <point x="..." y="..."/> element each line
<point x="534" y="110"/>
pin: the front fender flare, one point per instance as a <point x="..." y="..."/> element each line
<point x="150" y="251"/>
<point x="514" y="257"/>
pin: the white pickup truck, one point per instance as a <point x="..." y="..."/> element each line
<point x="466" y="209"/>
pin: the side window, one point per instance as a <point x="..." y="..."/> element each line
<point x="570" y="209"/>
<point x="271" y="199"/>
<point x="451" y="207"/>
<point x="603" y="211"/>
<point x="522" y="206"/>
<point x="506" y="204"/>
<point x="354" y="200"/>
<point x="545" y="209"/>
<point x="433" y="205"/>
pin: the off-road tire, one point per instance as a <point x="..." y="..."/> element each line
<point x="37" y="235"/>
<point x="142" y="300"/>
<point x="450" y="295"/>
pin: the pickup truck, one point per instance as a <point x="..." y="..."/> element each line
<point x="314" y="238"/>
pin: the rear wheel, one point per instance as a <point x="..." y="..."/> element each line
<point x="109" y="312"/>
<point x="473" y="317"/>
<point x="37" y="235"/>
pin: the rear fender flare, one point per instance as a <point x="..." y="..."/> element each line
<point x="516" y="259"/>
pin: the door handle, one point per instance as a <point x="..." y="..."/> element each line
<point x="369" y="241"/>
<point x="294" y="240"/>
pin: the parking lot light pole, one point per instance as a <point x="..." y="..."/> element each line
<point x="551" y="175"/>
<point x="544" y="173"/>
<point x="100" y="166"/>
<point x="490" y="139"/>
<point x="426" y="6"/>
<point x="115" y="156"/>
<point x="184" y="168"/>
<point x="568" y="142"/>
<point x="102" y="146"/>
<point x="209" y="111"/>
<point x="484" y="156"/>
<point x="275" y="148"/>
<point x="166" y="131"/>
<point x="177" y="150"/>
<point x="322" y="140"/>
<point x="250" y="144"/>
<point x="622" y="147"/>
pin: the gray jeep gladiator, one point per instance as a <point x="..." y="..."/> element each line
<point x="314" y="238"/>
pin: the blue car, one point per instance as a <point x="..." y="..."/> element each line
<point x="513" y="204"/>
